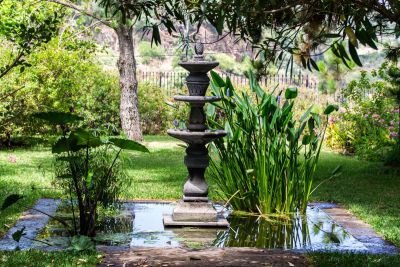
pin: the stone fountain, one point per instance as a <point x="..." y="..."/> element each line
<point x="195" y="209"/>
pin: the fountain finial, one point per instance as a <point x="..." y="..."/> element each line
<point x="199" y="50"/>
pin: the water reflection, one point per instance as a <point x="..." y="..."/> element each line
<point x="265" y="233"/>
<point x="142" y="226"/>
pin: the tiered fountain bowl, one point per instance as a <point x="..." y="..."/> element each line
<point x="195" y="209"/>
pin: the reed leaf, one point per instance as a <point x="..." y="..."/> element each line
<point x="266" y="163"/>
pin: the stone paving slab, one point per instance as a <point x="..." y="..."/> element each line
<point x="360" y="230"/>
<point x="33" y="221"/>
<point x="205" y="257"/>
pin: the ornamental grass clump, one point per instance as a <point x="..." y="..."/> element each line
<point x="267" y="162"/>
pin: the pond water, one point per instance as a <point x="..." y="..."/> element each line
<point x="314" y="231"/>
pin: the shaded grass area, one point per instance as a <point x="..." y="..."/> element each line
<point x="369" y="190"/>
<point x="34" y="258"/>
<point x="353" y="260"/>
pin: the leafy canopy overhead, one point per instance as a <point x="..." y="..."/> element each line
<point x="284" y="30"/>
<point x="300" y="30"/>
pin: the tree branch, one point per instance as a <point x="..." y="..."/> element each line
<point x="12" y="65"/>
<point x="11" y="93"/>
<point x="81" y="10"/>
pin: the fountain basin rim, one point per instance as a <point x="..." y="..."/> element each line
<point x="196" y="137"/>
<point x="197" y="99"/>
<point x="198" y="66"/>
<point x="197" y="134"/>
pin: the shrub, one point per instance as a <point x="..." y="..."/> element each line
<point x="60" y="78"/>
<point x="268" y="160"/>
<point x="153" y="110"/>
<point x="227" y="63"/>
<point x="88" y="167"/>
<point x="148" y="52"/>
<point x="366" y="119"/>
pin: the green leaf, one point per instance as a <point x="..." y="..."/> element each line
<point x="217" y="80"/>
<point x="352" y="36"/>
<point x="331" y="108"/>
<point x="228" y="129"/>
<point x="82" y="243"/>
<point x="128" y="144"/>
<point x="316" y="118"/>
<point x="311" y="125"/>
<point x="306" y="139"/>
<point x="86" y="138"/>
<point x="156" y="35"/>
<point x="291" y="93"/>
<point x="337" y="170"/>
<point x="307" y="113"/>
<point x="315" y="66"/>
<point x="10" y="200"/>
<point x="354" y="54"/>
<point x="210" y="110"/>
<point x="229" y="86"/>
<point x="55" y="117"/>
<point x="236" y="135"/>
<point x="60" y="146"/>
<point x="219" y="26"/>
<point x="343" y="53"/>
<point x="17" y="235"/>
<point x="303" y="61"/>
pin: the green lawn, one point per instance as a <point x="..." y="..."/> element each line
<point x="369" y="190"/>
<point x="352" y="260"/>
<point x="35" y="258"/>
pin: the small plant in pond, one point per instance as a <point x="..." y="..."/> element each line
<point x="88" y="167"/>
<point x="267" y="162"/>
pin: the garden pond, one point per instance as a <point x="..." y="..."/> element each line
<point x="141" y="225"/>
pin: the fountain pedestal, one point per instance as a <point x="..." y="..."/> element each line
<point x="195" y="209"/>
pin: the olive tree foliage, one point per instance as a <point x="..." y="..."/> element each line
<point x="288" y="31"/>
<point x="121" y="16"/>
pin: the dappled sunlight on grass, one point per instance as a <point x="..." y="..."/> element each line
<point x="368" y="189"/>
<point x="159" y="174"/>
<point x="20" y="170"/>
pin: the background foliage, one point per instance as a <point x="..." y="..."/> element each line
<point x="367" y="124"/>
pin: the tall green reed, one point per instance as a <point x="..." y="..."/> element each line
<point x="267" y="162"/>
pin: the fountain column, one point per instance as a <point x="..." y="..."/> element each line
<point x="195" y="209"/>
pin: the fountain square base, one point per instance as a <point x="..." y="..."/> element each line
<point x="199" y="214"/>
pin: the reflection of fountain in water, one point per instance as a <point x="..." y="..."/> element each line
<point x="265" y="233"/>
<point x="314" y="231"/>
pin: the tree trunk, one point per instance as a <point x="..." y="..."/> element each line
<point x="129" y="113"/>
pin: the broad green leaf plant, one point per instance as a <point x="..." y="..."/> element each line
<point x="267" y="162"/>
<point x="88" y="167"/>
